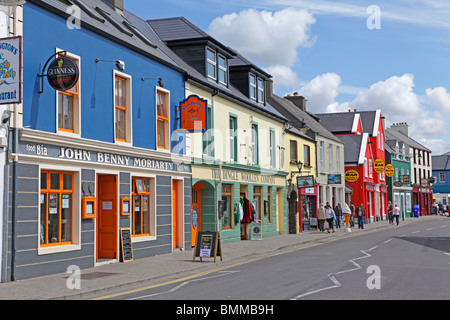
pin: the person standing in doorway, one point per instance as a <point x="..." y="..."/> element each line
<point x="361" y="213"/>
<point x="352" y="215"/>
<point x="390" y="212"/>
<point x="396" y="214"/>
<point x="321" y="217"/>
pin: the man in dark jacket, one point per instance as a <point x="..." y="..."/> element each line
<point x="361" y="214"/>
<point x="338" y="212"/>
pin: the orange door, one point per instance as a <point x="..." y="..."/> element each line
<point x="107" y="218"/>
<point x="175" y="214"/>
<point x="196" y="212"/>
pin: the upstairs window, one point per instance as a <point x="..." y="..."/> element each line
<point x="256" y="88"/>
<point x="211" y="63"/>
<point x="252" y="87"/>
<point x="120" y="102"/>
<point x="222" y="69"/>
<point x="163" y="119"/>
<point x="260" y="90"/>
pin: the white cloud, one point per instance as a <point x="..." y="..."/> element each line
<point x="269" y="39"/>
<point x="396" y="99"/>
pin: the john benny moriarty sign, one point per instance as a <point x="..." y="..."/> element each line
<point x="62" y="73"/>
<point x="10" y="70"/>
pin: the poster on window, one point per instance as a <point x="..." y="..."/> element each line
<point x="10" y="70"/>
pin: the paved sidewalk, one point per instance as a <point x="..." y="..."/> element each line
<point x="106" y="278"/>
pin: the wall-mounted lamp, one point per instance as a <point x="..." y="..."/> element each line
<point x="160" y="81"/>
<point x="119" y="64"/>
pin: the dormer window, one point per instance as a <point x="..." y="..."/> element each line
<point x="257" y="88"/>
<point x="216" y="66"/>
<point x="211" y="63"/>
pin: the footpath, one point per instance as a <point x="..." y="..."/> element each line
<point x="105" y="279"/>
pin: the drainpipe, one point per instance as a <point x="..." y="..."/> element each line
<point x="215" y="93"/>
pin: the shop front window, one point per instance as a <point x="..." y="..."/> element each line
<point x="257" y="193"/>
<point x="56" y="202"/>
<point x="141" y="207"/>
<point x="227" y="206"/>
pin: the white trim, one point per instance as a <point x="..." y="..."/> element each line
<point x="356" y="121"/>
<point x="376" y="123"/>
<point x="362" y="152"/>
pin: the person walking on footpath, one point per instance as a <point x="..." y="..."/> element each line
<point x="361" y="213"/>
<point x="396" y="214"/>
<point x="330" y="216"/>
<point x="352" y="215"/>
<point x="390" y="212"/>
<point x="321" y="217"/>
<point x="347" y="213"/>
<point x="338" y="212"/>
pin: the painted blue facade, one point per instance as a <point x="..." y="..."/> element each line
<point x="441" y="186"/>
<point x="97" y="115"/>
<point x="91" y="158"/>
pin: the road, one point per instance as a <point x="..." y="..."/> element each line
<point x="405" y="262"/>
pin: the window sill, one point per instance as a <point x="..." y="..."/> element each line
<point x="142" y="239"/>
<point x="59" y="249"/>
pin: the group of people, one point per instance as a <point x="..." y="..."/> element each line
<point x="393" y="212"/>
<point x="329" y="217"/>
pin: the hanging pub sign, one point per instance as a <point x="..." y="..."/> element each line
<point x="389" y="170"/>
<point x="62" y="73"/>
<point x="378" y="165"/>
<point x="194" y="114"/>
<point x="10" y="70"/>
<point x="351" y="175"/>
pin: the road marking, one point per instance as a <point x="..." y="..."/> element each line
<point x="387" y="241"/>
<point x="415" y="231"/>
<point x="429" y="229"/>
<point x="373" y="248"/>
<point x="331" y="276"/>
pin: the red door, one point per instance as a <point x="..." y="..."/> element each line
<point x="107" y="218"/>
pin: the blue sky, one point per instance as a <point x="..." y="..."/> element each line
<point x="325" y="51"/>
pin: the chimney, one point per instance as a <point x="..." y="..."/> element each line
<point x="270" y="88"/>
<point x="117" y="4"/>
<point x="299" y="101"/>
<point x="402" y="127"/>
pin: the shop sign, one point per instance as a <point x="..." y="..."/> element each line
<point x="334" y="179"/>
<point x="424" y="182"/>
<point x="305" y="182"/>
<point x="351" y="176"/>
<point x="379" y="165"/>
<point x="96" y="157"/>
<point x="389" y="170"/>
<point x="241" y="176"/>
<point x="62" y="73"/>
<point x="194" y="113"/>
<point x="398" y="184"/>
<point x="10" y="70"/>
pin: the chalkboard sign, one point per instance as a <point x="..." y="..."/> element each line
<point x="208" y="246"/>
<point x="126" y="247"/>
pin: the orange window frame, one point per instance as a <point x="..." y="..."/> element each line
<point x="161" y="118"/>
<point x="60" y="192"/>
<point x="142" y="193"/>
<point x="75" y="96"/>
<point x="119" y="108"/>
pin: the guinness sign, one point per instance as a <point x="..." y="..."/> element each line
<point x="62" y="73"/>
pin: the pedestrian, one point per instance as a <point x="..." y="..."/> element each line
<point x="347" y="213"/>
<point x="321" y="217"/>
<point x="330" y="216"/>
<point x="352" y="215"/>
<point x="338" y="212"/>
<point x="396" y="213"/>
<point x="361" y="213"/>
<point x="390" y="212"/>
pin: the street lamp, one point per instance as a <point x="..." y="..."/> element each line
<point x="299" y="165"/>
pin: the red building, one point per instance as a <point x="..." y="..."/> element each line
<point x="364" y="138"/>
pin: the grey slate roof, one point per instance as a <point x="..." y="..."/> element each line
<point x="337" y="122"/>
<point x="441" y="163"/>
<point x="353" y="143"/>
<point x="298" y="117"/>
<point x="407" y="140"/>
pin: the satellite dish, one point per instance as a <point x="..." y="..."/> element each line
<point x="12" y="2"/>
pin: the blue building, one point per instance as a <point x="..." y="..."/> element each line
<point x="441" y="175"/>
<point x="92" y="160"/>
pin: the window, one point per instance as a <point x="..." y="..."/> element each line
<point x="222" y="69"/>
<point x="331" y="159"/>
<point x="255" y="144"/>
<point x="162" y="119"/>
<point x="442" y="177"/>
<point x="366" y="169"/>
<point x="211" y="63"/>
<point x="141" y="207"/>
<point x="322" y="156"/>
<point x="257" y="194"/>
<point x="306" y="155"/>
<point x="233" y="139"/>
<point x="68" y="106"/>
<point x="260" y="90"/>
<point x="120" y="102"/>
<point x="56" y="208"/>
<point x="370" y="169"/>
<point x="227" y="206"/>
<point x="273" y="162"/>
<point x="208" y="136"/>
<point x="338" y="159"/>
<point x="252" y="86"/>
<point x="293" y="150"/>
<point x="269" y="199"/>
